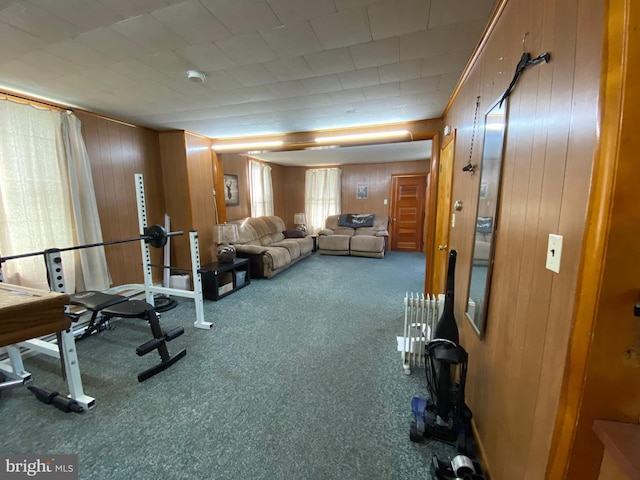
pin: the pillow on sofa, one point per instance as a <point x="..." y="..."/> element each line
<point x="293" y="234"/>
<point x="356" y="220"/>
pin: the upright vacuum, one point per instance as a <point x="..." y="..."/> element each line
<point x="444" y="415"/>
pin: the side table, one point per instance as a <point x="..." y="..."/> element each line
<point x="220" y="279"/>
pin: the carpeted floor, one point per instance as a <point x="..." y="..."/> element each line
<point x="298" y="379"/>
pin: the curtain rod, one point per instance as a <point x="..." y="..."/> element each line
<point x="35" y="102"/>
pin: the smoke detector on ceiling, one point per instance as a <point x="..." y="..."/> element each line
<point x="195" y="76"/>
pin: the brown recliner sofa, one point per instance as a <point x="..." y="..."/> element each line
<point x="269" y="246"/>
<point x="360" y="235"/>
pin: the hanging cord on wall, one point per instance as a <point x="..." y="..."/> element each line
<point x="470" y="167"/>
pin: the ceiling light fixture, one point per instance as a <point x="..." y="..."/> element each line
<point x="363" y="136"/>
<point x="195" y="76"/>
<point x="247" y="146"/>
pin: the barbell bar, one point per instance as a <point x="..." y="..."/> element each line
<point x="155" y="235"/>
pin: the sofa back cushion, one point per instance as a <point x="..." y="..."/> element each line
<point x="260" y="230"/>
<point x="332" y="223"/>
<point x="380" y="224"/>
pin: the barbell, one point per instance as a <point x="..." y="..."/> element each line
<point x="155" y="235"/>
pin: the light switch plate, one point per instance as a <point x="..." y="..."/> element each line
<point x="554" y="252"/>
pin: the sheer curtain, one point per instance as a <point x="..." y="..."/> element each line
<point x="43" y="193"/>
<point x="322" y="196"/>
<point x="261" y="189"/>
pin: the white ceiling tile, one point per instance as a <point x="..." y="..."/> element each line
<point x="466" y="36"/>
<point x="206" y="56"/>
<point x="400" y="71"/>
<point x="251" y="75"/>
<point x="291" y="88"/>
<point x="347" y="96"/>
<point x="192" y="22"/>
<point x="54" y="66"/>
<point x="292" y="11"/>
<point x="40" y="23"/>
<point x="289" y="69"/>
<point x="419" y="85"/>
<point x="76" y="52"/>
<point x="447" y="12"/>
<point x="221" y="81"/>
<point x="401" y="100"/>
<point x="148" y="31"/>
<point x="342" y="29"/>
<point x="426" y="43"/>
<point x="360" y="78"/>
<point x="138" y="71"/>
<point x="127" y="8"/>
<point x="291" y="40"/>
<point x="257" y="94"/>
<point x="241" y="16"/>
<point x="322" y="84"/>
<point x="182" y="88"/>
<point x="169" y="63"/>
<point x="85" y="14"/>
<point x="247" y="49"/>
<point x="448" y="82"/>
<point x="330" y="61"/>
<point x="111" y="78"/>
<point x="398" y="17"/>
<point x="107" y="41"/>
<point x="16" y="42"/>
<point x="229" y="97"/>
<point x="444" y="64"/>
<point x="346" y="4"/>
<point x="382" y="91"/>
<point x="376" y="53"/>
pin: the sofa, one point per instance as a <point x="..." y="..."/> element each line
<point x="269" y="246"/>
<point x="360" y="235"/>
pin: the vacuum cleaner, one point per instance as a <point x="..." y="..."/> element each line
<point x="443" y="415"/>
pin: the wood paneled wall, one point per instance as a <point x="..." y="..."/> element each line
<point x="117" y="152"/>
<point x="234" y="164"/>
<point x="516" y="372"/>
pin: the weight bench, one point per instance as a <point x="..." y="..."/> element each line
<point x="110" y="306"/>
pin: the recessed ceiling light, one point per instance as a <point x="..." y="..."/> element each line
<point x="195" y="76"/>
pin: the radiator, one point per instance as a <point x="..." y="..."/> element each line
<point x="420" y="317"/>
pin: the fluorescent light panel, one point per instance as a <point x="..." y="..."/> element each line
<point x="362" y="136"/>
<point x="247" y="146"/>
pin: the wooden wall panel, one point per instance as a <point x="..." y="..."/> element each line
<point x="117" y="152"/>
<point x="294" y="186"/>
<point x="378" y="177"/>
<point x="233" y="164"/>
<point x="515" y="373"/>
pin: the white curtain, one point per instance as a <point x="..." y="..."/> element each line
<point x="261" y="189"/>
<point x="322" y="196"/>
<point x="37" y="207"/>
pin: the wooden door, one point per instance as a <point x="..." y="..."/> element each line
<point x="407" y="212"/>
<point x="443" y="214"/>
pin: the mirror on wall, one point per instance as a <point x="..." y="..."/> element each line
<point x="486" y="215"/>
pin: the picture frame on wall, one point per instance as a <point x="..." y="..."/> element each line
<point x="362" y="192"/>
<point x="231" y="191"/>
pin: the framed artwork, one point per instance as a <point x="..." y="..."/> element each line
<point x="362" y="193"/>
<point x="231" y="193"/>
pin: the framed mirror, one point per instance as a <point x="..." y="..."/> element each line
<point x="495" y="122"/>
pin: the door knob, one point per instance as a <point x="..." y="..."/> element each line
<point x="442" y="247"/>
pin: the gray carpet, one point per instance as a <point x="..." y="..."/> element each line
<point x="298" y="379"/>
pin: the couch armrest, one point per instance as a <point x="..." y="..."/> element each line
<point x="326" y="231"/>
<point x="382" y="233"/>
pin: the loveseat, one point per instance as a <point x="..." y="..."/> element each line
<point x="269" y="246"/>
<point x="360" y="235"/>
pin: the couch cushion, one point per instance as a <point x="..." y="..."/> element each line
<point x="338" y="243"/>
<point x="291" y="245"/>
<point x="367" y="243"/>
<point x="276" y="257"/>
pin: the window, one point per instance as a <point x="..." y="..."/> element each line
<point x="322" y="196"/>
<point x="47" y="198"/>
<point x="261" y="189"/>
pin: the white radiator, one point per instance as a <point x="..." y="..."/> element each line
<point x="420" y="317"/>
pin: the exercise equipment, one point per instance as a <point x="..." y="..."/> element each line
<point x="61" y="402"/>
<point x="156" y="236"/>
<point x="444" y="415"/>
<point x="110" y="306"/>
